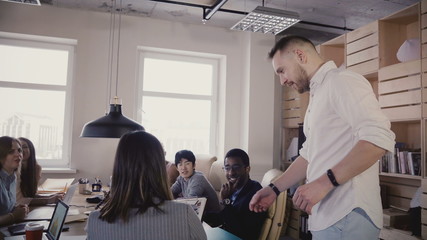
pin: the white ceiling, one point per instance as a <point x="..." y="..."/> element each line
<point x="349" y="14"/>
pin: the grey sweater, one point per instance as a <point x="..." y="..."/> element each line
<point x="197" y="186"/>
<point x="178" y="222"/>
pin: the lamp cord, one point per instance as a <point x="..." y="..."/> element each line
<point x="118" y="48"/>
<point x="110" y="55"/>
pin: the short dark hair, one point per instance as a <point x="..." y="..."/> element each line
<point x="286" y="42"/>
<point x="187" y="154"/>
<point x="240" y="154"/>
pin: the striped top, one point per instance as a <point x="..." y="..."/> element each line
<point x="178" y="222"/>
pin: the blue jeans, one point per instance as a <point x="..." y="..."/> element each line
<point x="354" y="226"/>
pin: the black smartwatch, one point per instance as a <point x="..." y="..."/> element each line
<point x="331" y="177"/>
<point x="275" y="189"/>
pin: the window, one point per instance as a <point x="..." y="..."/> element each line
<point x="179" y="99"/>
<point x="35" y="89"/>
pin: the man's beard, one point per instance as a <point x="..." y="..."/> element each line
<point x="303" y="81"/>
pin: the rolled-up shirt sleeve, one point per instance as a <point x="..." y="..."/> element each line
<point x="355" y="102"/>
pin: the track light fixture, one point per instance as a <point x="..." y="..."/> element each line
<point x="267" y="20"/>
<point x="209" y="12"/>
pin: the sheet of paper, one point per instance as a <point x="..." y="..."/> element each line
<point x="55" y="185"/>
<point x="76" y="218"/>
<point x="198" y="204"/>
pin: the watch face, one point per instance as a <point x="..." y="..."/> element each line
<point x="227" y="201"/>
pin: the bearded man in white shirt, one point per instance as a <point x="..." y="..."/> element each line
<point x="346" y="133"/>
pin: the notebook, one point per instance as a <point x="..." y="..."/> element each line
<point x="55" y="225"/>
<point x="198" y="204"/>
<point x="55" y="185"/>
<point x="45" y="212"/>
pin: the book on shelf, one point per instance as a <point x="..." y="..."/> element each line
<point x="402" y="161"/>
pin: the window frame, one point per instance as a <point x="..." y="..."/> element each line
<point x="51" y="43"/>
<point x="187" y="56"/>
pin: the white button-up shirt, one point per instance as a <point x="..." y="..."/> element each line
<point x="342" y="110"/>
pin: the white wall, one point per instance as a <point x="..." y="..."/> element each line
<point x="251" y="101"/>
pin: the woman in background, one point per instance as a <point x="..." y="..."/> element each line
<point x="139" y="205"/>
<point x="10" y="158"/>
<point x="30" y="175"/>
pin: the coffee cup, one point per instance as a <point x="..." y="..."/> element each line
<point x="33" y="231"/>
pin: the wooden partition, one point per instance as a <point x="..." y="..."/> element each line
<point x="362" y="49"/>
<point x="401" y="190"/>
<point x="334" y="50"/>
<point x="424" y="209"/>
<point x="400" y="90"/>
<point x="423" y="29"/>
<point x="294" y="106"/>
<point x="408" y="132"/>
<point x="395" y="30"/>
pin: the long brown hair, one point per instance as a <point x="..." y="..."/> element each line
<point x="29" y="178"/>
<point x="139" y="177"/>
<point x="5" y="147"/>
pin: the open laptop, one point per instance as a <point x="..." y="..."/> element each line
<point x="198" y="204"/>
<point x="45" y="212"/>
<point x="55" y="225"/>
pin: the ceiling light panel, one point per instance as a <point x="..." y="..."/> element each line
<point x="267" y="20"/>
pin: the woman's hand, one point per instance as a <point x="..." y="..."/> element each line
<point x="20" y="212"/>
<point x="55" y="198"/>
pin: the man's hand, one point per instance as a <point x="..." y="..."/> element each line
<point x="227" y="189"/>
<point x="308" y="195"/>
<point x="262" y="200"/>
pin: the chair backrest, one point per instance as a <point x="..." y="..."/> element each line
<point x="217" y="176"/>
<point x="204" y="163"/>
<point x="272" y="226"/>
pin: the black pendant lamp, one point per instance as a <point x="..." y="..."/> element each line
<point x="113" y="124"/>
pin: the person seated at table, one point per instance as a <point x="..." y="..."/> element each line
<point x="192" y="184"/>
<point x="29" y="177"/>
<point x="10" y="158"/>
<point x="172" y="172"/>
<point x="139" y="205"/>
<point x="235" y="197"/>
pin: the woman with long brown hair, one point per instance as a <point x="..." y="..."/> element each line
<point x="10" y="158"/>
<point x="30" y="169"/>
<point x="29" y="177"/>
<point x="139" y="205"/>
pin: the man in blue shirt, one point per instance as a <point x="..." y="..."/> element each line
<point x="235" y="197"/>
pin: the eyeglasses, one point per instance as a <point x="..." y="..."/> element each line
<point x="235" y="167"/>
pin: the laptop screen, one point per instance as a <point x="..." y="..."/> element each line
<point x="57" y="221"/>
